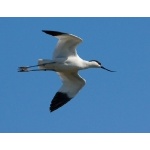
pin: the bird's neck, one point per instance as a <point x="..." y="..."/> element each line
<point x="89" y="64"/>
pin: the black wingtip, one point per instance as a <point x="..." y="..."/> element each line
<point x="59" y="100"/>
<point x="53" y="33"/>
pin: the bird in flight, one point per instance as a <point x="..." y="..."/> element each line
<point x="66" y="63"/>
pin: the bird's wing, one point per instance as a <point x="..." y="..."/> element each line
<point x="72" y="83"/>
<point x="66" y="45"/>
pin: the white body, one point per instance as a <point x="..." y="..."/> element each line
<point x="71" y="64"/>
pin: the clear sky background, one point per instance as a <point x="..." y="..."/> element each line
<point x="109" y="102"/>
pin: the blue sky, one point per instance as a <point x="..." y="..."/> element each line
<point x="110" y="102"/>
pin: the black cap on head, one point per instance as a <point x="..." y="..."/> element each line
<point x="96" y="61"/>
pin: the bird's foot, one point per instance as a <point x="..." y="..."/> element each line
<point x="23" y="69"/>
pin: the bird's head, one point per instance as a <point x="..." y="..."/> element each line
<point x="97" y="64"/>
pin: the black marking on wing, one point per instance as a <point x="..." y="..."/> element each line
<point x="59" y="100"/>
<point x="53" y="33"/>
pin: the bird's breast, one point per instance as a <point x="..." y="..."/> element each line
<point x="66" y="67"/>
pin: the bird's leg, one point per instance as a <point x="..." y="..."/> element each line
<point x="23" y="69"/>
<point x="37" y="70"/>
<point x="27" y="68"/>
